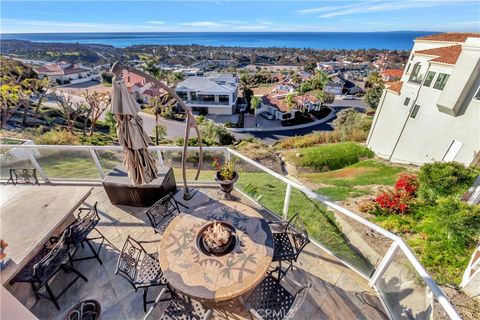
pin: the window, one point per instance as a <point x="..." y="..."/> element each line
<point x="452" y="150"/>
<point x="429" y="78"/>
<point x="415" y="111"/>
<point x="223" y="99"/>
<point x="407" y="101"/>
<point x="193" y="95"/>
<point x="182" y="95"/>
<point x="477" y="95"/>
<point x="408" y="68"/>
<point x="207" y="98"/>
<point x="415" y="77"/>
<point x="441" y="81"/>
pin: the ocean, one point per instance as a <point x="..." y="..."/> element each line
<point x="314" y="40"/>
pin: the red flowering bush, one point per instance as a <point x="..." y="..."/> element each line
<point x="407" y="183"/>
<point x="398" y="201"/>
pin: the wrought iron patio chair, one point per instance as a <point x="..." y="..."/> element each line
<point x="78" y="233"/>
<point x="85" y="310"/>
<point x="276" y="298"/>
<point x="44" y="266"/>
<point x="25" y="175"/>
<point x="180" y="307"/>
<point x="160" y="210"/>
<point x="141" y="269"/>
<point x="290" y="241"/>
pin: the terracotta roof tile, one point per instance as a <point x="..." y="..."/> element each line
<point x="395" y="86"/>
<point x="392" y="72"/>
<point x="450" y="37"/>
<point x="448" y="55"/>
<point x="274" y="102"/>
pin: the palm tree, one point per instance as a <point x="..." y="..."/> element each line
<point x="254" y="103"/>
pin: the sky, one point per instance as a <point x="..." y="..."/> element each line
<point x="18" y="16"/>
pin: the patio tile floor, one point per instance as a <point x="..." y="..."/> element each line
<point x="337" y="292"/>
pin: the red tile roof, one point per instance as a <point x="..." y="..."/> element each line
<point x="274" y="102"/>
<point x="450" y="37"/>
<point x="60" y="69"/>
<point x="395" y="86"/>
<point x="392" y="72"/>
<point x="448" y="55"/>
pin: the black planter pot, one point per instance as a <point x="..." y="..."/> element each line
<point x="226" y="185"/>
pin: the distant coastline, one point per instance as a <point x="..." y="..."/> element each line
<point x="400" y="40"/>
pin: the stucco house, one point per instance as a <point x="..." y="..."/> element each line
<point x="433" y="112"/>
<point x="215" y="94"/>
<point x="64" y="72"/>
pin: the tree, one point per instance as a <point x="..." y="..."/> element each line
<point x="310" y="67"/>
<point x="254" y="103"/>
<point x="290" y="100"/>
<point x="325" y="97"/>
<point x="160" y="133"/>
<point x="9" y="98"/>
<point x="70" y="109"/>
<point x="247" y="95"/>
<point x="375" y="88"/>
<point x="97" y="103"/>
<point x="39" y="87"/>
<point x="372" y="96"/>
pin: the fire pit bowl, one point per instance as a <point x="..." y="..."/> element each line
<point x="217" y="238"/>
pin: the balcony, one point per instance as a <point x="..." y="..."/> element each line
<point x="357" y="269"/>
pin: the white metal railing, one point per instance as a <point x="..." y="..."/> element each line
<point x="397" y="243"/>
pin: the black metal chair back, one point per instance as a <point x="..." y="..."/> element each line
<point x="297" y="230"/>
<point x="161" y="209"/>
<point x="52" y="261"/>
<point x="271" y="300"/>
<point x="84" y="224"/>
<point x="128" y="261"/>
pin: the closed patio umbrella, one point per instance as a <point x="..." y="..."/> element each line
<point x="138" y="161"/>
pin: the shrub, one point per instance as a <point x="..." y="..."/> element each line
<point x="407" y="183"/>
<point x="399" y="200"/>
<point x="330" y="156"/>
<point x="97" y="139"/>
<point x="394" y="201"/>
<point x="60" y="137"/>
<point x="439" y="179"/>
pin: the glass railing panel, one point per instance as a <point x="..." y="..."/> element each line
<point x="265" y="189"/>
<point x="207" y="174"/>
<point x="343" y="236"/>
<point x="109" y="159"/>
<point x="404" y="292"/>
<point x="13" y="158"/>
<point x="67" y="164"/>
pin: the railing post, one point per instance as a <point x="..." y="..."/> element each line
<point x="160" y="158"/>
<point x="36" y="165"/>
<point x="97" y="162"/>
<point x="227" y="155"/>
<point x="286" y="202"/>
<point x="387" y="259"/>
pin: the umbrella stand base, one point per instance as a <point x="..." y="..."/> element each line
<point x="199" y="198"/>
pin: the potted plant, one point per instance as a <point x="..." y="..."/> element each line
<point x="226" y="175"/>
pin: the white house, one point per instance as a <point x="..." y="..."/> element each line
<point x="433" y="113"/>
<point x="215" y="94"/>
<point x="64" y="72"/>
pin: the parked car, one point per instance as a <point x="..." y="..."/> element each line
<point x="349" y="97"/>
<point x="267" y="115"/>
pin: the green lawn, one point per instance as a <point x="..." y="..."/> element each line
<point x="327" y="157"/>
<point x="320" y="223"/>
<point x="350" y="182"/>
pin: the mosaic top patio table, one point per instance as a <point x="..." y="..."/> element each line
<point x="216" y="278"/>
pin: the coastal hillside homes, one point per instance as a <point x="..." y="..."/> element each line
<point x="433" y="113"/>
<point x="277" y="106"/>
<point x="339" y="85"/>
<point x="66" y="73"/>
<point x="139" y="87"/>
<point x="215" y="94"/>
<point x="389" y="75"/>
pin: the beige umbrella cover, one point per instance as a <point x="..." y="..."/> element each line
<point x="139" y="162"/>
